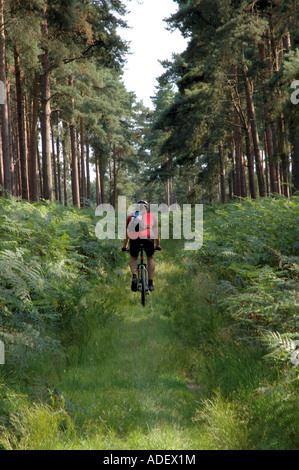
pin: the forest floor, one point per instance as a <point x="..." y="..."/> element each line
<point x="135" y="378"/>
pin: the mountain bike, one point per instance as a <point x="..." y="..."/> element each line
<point x="142" y="275"/>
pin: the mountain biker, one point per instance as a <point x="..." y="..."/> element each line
<point x="142" y="226"/>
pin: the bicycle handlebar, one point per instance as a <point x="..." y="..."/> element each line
<point x="126" y="249"/>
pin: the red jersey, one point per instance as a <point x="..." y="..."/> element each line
<point x="142" y="226"/>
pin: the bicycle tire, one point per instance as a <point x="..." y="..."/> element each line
<point x="143" y="285"/>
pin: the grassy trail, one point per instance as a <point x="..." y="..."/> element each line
<point x="134" y="378"/>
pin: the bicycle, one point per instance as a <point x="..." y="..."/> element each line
<point x="142" y="275"/>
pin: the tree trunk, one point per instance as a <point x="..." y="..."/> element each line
<point x="250" y="161"/>
<point x="272" y="171"/>
<point x="88" y="195"/>
<point x="74" y="164"/>
<point x="21" y="126"/>
<point x="58" y="165"/>
<point x="98" y="184"/>
<point x="114" y="177"/>
<point x="254" y="132"/>
<point x="267" y="172"/>
<point x="295" y="164"/>
<point x="33" y="163"/>
<point x="6" y="150"/>
<point x="222" y="175"/>
<point x="102" y="165"/>
<point x="46" y="119"/>
<point x="1" y="170"/>
<point x="54" y="163"/>
<point x="65" y="166"/>
<point x="83" y="180"/>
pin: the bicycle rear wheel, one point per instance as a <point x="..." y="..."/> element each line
<point x="143" y="285"/>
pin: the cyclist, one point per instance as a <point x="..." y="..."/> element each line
<point x="142" y="226"/>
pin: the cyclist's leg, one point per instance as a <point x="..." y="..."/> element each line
<point x="149" y="247"/>
<point x="134" y="251"/>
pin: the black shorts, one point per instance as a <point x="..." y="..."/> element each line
<point x="149" y="247"/>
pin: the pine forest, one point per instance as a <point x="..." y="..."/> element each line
<point x="211" y="362"/>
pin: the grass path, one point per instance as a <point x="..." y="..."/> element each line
<point x="133" y="379"/>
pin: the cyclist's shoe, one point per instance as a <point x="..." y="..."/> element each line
<point x="134" y="284"/>
<point x="151" y="287"/>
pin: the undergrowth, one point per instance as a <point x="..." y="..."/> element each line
<point x="230" y="311"/>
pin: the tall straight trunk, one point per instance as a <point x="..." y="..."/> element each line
<point x="33" y="163"/>
<point x="11" y="140"/>
<point x="6" y="149"/>
<point x="275" y="160"/>
<point x="21" y="126"/>
<point x="98" y="184"/>
<point x="231" y="156"/>
<point x="58" y="167"/>
<point x="167" y="182"/>
<point x="46" y="118"/>
<point x="74" y="160"/>
<point x="265" y="49"/>
<point x="295" y="164"/>
<point x="110" y="182"/>
<point x="40" y="176"/>
<point x="65" y="166"/>
<point x="88" y="195"/>
<point x="54" y="162"/>
<point x="114" y="177"/>
<point x="237" y="170"/>
<point x="254" y="132"/>
<point x="1" y="170"/>
<point x="272" y="171"/>
<point x="166" y="189"/>
<point x="82" y="179"/>
<point x="102" y="165"/>
<point x="267" y="171"/>
<point x="222" y="174"/>
<point x="250" y="161"/>
<point x="284" y="155"/>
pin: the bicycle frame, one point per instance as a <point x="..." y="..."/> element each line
<point x="142" y="274"/>
<point x="142" y="277"/>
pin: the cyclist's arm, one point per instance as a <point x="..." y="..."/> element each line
<point x="157" y="233"/>
<point x="126" y="240"/>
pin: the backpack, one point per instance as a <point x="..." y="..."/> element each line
<point x="137" y="222"/>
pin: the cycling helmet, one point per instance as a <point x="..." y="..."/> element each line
<point x="142" y="203"/>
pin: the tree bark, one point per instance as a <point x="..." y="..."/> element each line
<point x="1" y="170"/>
<point x="6" y="149"/>
<point x="98" y="184"/>
<point x="21" y="126"/>
<point x="74" y="160"/>
<point x="58" y="164"/>
<point x="295" y="164"/>
<point x="250" y="161"/>
<point x="65" y="166"/>
<point x="83" y="179"/>
<point x="54" y="163"/>
<point x="33" y="163"/>
<point x="88" y="195"/>
<point x="46" y="118"/>
<point x="254" y="132"/>
<point x="222" y="175"/>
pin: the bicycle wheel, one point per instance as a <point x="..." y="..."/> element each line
<point x="143" y="285"/>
